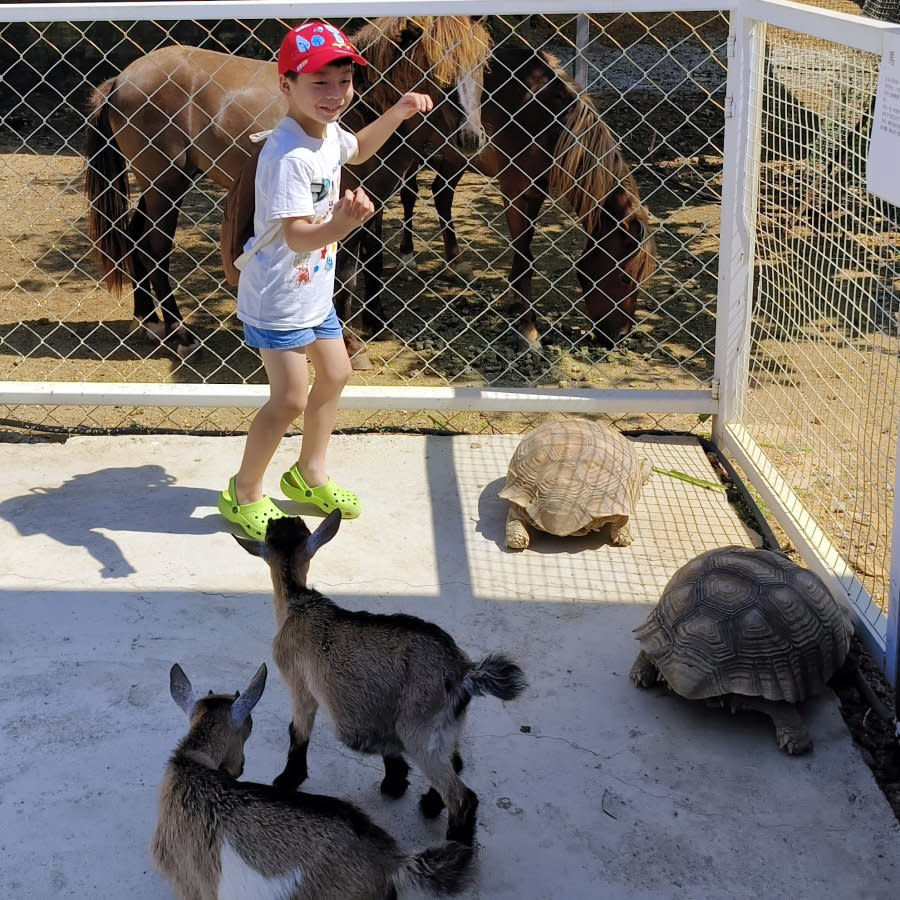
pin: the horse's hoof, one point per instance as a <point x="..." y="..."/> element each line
<point x="184" y="350"/>
<point x="356" y="350"/>
<point x="155" y="329"/>
<point x="531" y="340"/>
<point x="406" y="266"/>
<point x="462" y="268"/>
<point x="182" y="342"/>
<point x="360" y="361"/>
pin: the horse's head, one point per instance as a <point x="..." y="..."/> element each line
<point x="620" y="256"/>
<point x="443" y="56"/>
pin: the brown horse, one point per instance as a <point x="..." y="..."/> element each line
<point x="180" y="113"/>
<point x="547" y="139"/>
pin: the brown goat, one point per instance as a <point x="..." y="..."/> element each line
<point x="223" y="839"/>
<point x="392" y="684"/>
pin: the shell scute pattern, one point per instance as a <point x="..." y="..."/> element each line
<point x="573" y="476"/>
<point x="748" y="622"/>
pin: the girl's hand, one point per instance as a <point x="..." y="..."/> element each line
<point x="410" y="104"/>
<point x="353" y="209"/>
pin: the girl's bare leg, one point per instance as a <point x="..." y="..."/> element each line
<point x="288" y="375"/>
<point x="332" y="365"/>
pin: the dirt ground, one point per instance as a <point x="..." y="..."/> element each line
<point x="58" y="323"/>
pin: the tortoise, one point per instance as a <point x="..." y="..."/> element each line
<point x="572" y="476"/>
<point x="746" y="629"/>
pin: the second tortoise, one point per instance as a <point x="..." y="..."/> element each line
<point x="746" y="629"/>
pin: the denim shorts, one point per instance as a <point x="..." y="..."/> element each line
<point x="270" y="339"/>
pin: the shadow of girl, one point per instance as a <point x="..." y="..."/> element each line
<point x="82" y="510"/>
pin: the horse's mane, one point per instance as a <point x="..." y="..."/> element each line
<point x="447" y="47"/>
<point x="589" y="166"/>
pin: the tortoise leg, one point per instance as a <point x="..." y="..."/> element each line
<point x="619" y="535"/>
<point x="516" y="531"/>
<point x="790" y="730"/>
<point x="644" y="672"/>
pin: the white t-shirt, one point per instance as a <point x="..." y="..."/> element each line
<point x="297" y="175"/>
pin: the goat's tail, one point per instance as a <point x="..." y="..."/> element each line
<point x="441" y="871"/>
<point x="497" y="675"/>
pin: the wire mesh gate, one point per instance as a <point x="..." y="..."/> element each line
<point x="805" y="382"/>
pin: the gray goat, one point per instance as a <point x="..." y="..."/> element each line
<point x="392" y="684"/>
<point x="223" y="839"/>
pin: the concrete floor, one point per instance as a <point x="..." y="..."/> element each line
<point x="114" y="564"/>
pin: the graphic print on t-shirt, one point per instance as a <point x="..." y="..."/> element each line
<point x="306" y="264"/>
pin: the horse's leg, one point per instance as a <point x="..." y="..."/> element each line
<point x="162" y="209"/>
<point x="522" y="208"/>
<point x="447" y="177"/>
<point x="409" y="194"/>
<point x="145" y="314"/>
<point x="345" y="276"/>
<point x="372" y="255"/>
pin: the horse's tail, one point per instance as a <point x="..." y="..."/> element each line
<point x="589" y="163"/>
<point x="106" y="187"/>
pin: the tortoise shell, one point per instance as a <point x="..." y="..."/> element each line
<point x="740" y="621"/>
<point x="572" y="476"/>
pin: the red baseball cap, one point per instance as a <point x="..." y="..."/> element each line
<point x="307" y="48"/>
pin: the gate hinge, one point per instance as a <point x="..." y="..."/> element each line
<point x="731" y="46"/>
<point x="714" y="388"/>
<point x="729" y="107"/>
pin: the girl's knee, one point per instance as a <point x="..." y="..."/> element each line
<point x="288" y="407"/>
<point x="295" y="405"/>
<point x="335" y="375"/>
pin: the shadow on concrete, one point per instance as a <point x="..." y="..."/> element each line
<point x="143" y="498"/>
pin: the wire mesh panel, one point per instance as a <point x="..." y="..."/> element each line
<point x="587" y="302"/>
<point x="578" y="250"/>
<point x="823" y="400"/>
<point x="886" y="10"/>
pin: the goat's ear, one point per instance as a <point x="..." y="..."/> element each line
<point x="254" y="548"/>
<point x="181" y="689"/>
<point x="324" y="533"/>
<point x="245" y="702"/>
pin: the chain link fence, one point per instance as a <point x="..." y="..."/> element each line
<point x="656" y="81"/>
<point x="824" y="331"/>
<point x="824" y="372"/>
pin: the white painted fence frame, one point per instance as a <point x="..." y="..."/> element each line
<point x="746" y="42"/>
<point x="726" y="396"/>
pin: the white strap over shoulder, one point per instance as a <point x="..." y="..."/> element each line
<point x="265" y="238"/>
<point x="269" y="234"/>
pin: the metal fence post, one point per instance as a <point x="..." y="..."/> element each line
<point x="889" y="11"/>
<point x="892" y="648"/>
<point x="746" y="46"/>
<point x="582" y="36"/>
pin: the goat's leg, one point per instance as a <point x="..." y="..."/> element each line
<point x="395" y="781"/>
<point x="461" y="801"/>
<point x="430" y="802"/>
<point x="295" y="770"/>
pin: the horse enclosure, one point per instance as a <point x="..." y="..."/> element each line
<point x="734" y="214"/>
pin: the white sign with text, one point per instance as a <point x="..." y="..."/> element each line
<point x="883" y="167"/>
